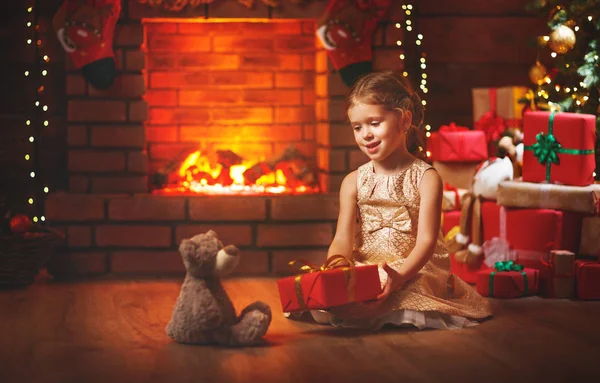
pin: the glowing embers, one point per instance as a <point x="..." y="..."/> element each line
<point x="227" y="173"/>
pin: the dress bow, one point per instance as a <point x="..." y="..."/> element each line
<point x="399" y="221"/>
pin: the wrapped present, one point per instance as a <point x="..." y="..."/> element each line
<point x="457" y="174"/>
<point x="451" y="197"/>
<point x="561" y="268"/>
<point x="559" y="148"/>
<point x="533" y="233"/>
<point x="590" y="237"/>
<point x="457" y="144"/>
<point x="337" y="282"/>
<point x="587" y="278"/>
<point x="507" y="280"/>
<point x="578" y="199"/>
<point x="450" y="220"/>
<point x="497" y="109"/>
<point x="466" y="272"/>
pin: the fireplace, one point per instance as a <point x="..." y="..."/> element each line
<point x="231" y="86"/>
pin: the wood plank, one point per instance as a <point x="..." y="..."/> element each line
<point x="480" y="40"/>
<point x="113" y="331"/>
<point x="472" y="8"/>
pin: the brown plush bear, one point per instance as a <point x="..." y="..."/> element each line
<point x="203" y="313"/>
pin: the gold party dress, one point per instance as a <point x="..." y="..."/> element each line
<point x="388" y="213"/>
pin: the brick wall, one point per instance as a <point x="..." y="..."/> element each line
<point x="126" y="235"/>
<point x="242" y="86"/>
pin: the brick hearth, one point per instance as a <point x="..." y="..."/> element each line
<point x="118" y="137"/>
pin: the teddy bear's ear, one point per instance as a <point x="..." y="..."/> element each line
<point x="187" y="248"/>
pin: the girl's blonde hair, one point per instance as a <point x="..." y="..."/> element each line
<point x="393" y="92"/>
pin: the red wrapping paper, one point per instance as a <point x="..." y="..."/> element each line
<point x="449" y="220"/>
<point x="466" y="272"/>
<point x="326" y="289"/>
<point x="587" y="279"/>
<point x="457" y="145"/>
<point x="533" y="233"/>
<point x="507" y="284"/>
<point x="572" y="131"/>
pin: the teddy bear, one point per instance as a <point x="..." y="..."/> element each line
<point x="203" y="312"/>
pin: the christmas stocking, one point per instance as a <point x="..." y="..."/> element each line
<point x="85" y="29"/>
<point x="346" y="31"/>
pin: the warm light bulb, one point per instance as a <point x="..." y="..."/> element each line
<point x="28" y="122"/>
<point x="43" y="218"/>
<point x="46" y="190"/>
<point x="428" y="134"/>
<point x="31" y="139"/>
<point x="547" y="79"/>
<point x="27" y="157"/>
<point x="427" y="127"/>
<point x="418" y="42"/>
<point x="46" y="58"/>
<point x="407" y="13"/>
<point x="589" y="18"/>
<point x="557" y="88"/>
<point x="26" y="73"/>
<point x="29" y="9"/>
<point x="428" y="153"/>
<point x="420" y="36"/>
<point x="398" y="25"/>
<point x="46" y="123"/>
<point x="585" y="98"/>
<point x="28" y="41"/>
<point x="425" y="90"/>
<point x="35" y="219"/>
<point x="553" y="54"/>
<point x="423" y="102"/>
<point x="37" y="103"/>
<point x="546" y="38"/>
<point x="423" y="81"/>
<point x="567" y="89"/>
<point x="29" y="23"/>
<point x="423" y="66"/>
<point x="424" y="75"/>
<point x="578" y="102"/>
<point x="409" y="6"/>
<point x="405" y="74"/>
<point x="32" y="174"/>
<point x="398" y="42"/>
<point x="576" y="28"/>
<point x="403" y="6"/>
<point x="30" y="201"/>
<point x="575" y="89"/>
<point x="408" y="22"/>
<point x="45" y="108"/>
<point x="44" y="72"/>
<point x="402" y="56"/>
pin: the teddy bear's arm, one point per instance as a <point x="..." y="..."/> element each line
<point x="206" y="311"/>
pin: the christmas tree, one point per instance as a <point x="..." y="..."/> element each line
<point x="573" y="82"/>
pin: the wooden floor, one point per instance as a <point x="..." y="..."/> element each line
<point x="113" y="331"/>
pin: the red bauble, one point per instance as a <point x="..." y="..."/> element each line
<point x="20" y="224"/>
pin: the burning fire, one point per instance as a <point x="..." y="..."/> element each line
<point x="231" y="174"/>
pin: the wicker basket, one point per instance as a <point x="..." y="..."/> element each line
<point x="22" y="256"/>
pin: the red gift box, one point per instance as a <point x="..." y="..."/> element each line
<point x="465" y="271"/>
<point x="450" y="219"/>
<point x="507" y="280"/>
<point x="559" y="148"/>
<point x="328" y="286"/>
<point x="587" y="279"/>
<point x="533" y="233"/>
<point x="457" y="144"/>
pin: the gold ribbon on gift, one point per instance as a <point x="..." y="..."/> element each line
<point x="333" y="262"/>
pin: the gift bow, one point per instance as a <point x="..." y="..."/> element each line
<point x="491" y="124"/>
<point x="333" y="262"/>
<point x="452" y="127"/>
<point x="399" y="222"/>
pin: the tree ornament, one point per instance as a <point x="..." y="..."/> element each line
<point x="537" y="73"/>
<point x="562" y="39"/>
<point x="20" y="224"/>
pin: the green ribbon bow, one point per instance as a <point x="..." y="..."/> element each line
<point x="546" y="148"/>
<point x="503" y="266"/>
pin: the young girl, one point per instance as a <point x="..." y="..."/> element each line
<point x="397" y="197"/>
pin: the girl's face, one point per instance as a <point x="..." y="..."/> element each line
<point x="377" y="131"/>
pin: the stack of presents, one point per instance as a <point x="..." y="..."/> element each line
<point x="528" y="221"/>
<point x="521" y="211"/>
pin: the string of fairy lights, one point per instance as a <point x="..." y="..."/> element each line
<point x="408" y="27"/>
<point x="37" y="118"/>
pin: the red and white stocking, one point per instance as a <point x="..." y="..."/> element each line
<point x="346" y="31"/>
<point x="85" y="29"/>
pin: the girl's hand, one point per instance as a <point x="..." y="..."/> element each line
<point x="394" y="282"/>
